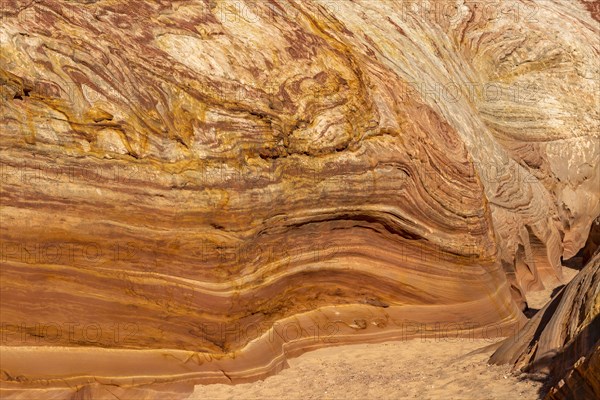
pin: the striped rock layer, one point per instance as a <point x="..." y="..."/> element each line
<point x="194" y="191"/>
<point x="563" y="339"/>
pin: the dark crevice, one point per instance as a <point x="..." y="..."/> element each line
<point x="585" y="254"/>
<point x="530" y="312"/>
<point x="391" y="228"/>
<point x="24" y="93"/>
<point x="182" y="142"/>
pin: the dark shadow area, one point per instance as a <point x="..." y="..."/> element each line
<point x="19" y="96"/>
<point x="575" y="262"/>
<point x="583" y="256"/>
<point x="560" y="364"/>
<point x="556" y="290"/>
<point x="530" y="312"/>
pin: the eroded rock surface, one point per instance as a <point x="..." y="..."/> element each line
<point x="563" y="339"/>
<point x="193" y="191"/>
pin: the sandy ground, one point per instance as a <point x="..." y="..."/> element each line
<point x="415" y="369"/>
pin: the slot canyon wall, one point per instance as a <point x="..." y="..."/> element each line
<point x="563" y="339"/>
<point x="193" y="191"/>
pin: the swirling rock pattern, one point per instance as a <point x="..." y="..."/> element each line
<point x="193" y="191"/>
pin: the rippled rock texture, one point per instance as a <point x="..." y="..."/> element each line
<point x="193" y="191"/>
<point x="563" y="339"/>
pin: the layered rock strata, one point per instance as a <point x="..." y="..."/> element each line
<point x="193" y="191"/>
<point x="563" y="339"/>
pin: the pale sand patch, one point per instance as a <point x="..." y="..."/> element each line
<point x="414" y="369"/>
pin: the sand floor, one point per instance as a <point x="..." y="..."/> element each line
<point x="414" y="369"/>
